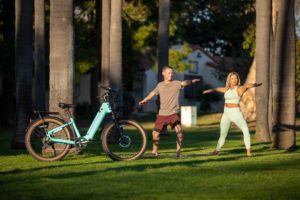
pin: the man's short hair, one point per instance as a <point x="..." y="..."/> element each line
<point x="166" y="67"/>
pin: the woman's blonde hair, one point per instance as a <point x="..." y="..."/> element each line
<point x="228" y="79"/>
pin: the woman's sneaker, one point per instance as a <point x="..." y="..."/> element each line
<point x="215" y="153"/>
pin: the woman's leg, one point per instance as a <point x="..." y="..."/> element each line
<point x="242" y="124"/>
<point x="224" y="126"/>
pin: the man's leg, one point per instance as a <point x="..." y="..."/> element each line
<point x="179" y="139"/>
<point x="155" y="138"/>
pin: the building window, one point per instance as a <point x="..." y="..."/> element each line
<point x="190" y="92"/>
<point x="199" y="55"/>
<point x="194" y="67"/>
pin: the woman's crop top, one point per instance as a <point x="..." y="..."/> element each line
<point x="231" y="96"/>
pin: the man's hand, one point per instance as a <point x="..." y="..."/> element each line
<point x="143" y="102"/>
<point x="195" y="80"/>
<point x="188" y="82"/>
<point x="205" y="91"/>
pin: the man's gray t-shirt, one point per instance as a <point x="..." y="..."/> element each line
<point x="169" y="97"/>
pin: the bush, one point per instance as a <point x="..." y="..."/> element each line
<point x="83" y="111"/>
<point x="206" y="99"/>
<point x="129" y="103"/>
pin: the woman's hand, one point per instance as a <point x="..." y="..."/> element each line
<point x="257" y="84"/>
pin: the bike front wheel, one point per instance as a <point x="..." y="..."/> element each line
<point x="128" y="141"/>
<point x="40" y="146"/>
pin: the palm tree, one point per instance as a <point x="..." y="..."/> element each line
<point x="284" y="76"/>
<point x="263" y="30"/>
<point x="115" y="55"/>
<point x="248" y="104"/>
<point x="7" y="48"/>
<point x="96" y="70"/>
<point x="39" y="55"/>
<point x="61" y="76"/>
<point x="163" y="36"/>
<point x="23" y="67"/>
<point x="163" y="42"/>
<point x="105" y="46"/>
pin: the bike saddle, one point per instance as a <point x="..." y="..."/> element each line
<point x="65" y="105"/>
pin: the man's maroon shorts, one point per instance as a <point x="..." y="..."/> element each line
<point x="162" y="121"/>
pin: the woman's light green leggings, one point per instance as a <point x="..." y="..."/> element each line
<point x="233" y="115"/>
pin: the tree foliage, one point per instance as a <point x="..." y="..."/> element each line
<point x="141" y="30"/>
<point x="216" y="25"/>
<point x="249" y="39"/>
<point x="192" y="22"/>
<point x="86" y="37"/>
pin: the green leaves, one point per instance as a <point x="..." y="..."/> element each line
<point x="249" y="39"/>
<point x="135" y="11"/>
<point x="143" y="36"/>
<point x="176" y="58"/>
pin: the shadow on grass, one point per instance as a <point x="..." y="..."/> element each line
<point x="163" y="161"/>
<point x="133" y="168"/>
<point x="57" y="165"/>
<point x="184" y="163"/>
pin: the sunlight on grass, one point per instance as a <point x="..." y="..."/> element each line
<point x="269" y="174"/>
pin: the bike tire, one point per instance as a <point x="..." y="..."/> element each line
<point x="37" y="143"/>
<point x="130" y="145"/>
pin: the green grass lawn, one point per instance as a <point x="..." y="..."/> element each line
<point x="269" y="174"/>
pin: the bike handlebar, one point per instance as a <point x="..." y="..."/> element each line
<point x="107" y="96"/>
<point x="105" y="88"/>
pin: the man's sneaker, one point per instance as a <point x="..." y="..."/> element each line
<point x="154" y="154"/>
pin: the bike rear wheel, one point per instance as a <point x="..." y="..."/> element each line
<point x="40" y="146"/>
<point x="126" y="142"/>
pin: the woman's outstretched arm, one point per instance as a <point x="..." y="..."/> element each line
<point x="246" y="86"/>
<point x="218" y="89"/>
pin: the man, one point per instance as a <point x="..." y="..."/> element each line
<point x="168" y="91"/>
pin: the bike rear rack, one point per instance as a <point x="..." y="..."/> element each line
<point x="39" y="114"/>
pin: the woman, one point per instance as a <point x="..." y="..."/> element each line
<point x="232" y="113"/>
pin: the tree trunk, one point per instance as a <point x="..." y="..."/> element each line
<point x="163" y="36"/>
<point x="7" y="96"/>
<point x="284" y="74"/>
<point x="95" y="72"/>
<point x="263" y="30"/>
<point x="94" y="89"/>
<point x="115" y="55"/>
<point x="39" y="100"/>
<point x="163" y="43"/>
<point x="248" y="104"/>
<point x="24" y="61"/>
<point x="61" y="54"/>
<point x="105" y="46"/>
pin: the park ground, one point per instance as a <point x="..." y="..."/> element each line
<point x="269" y="174"/>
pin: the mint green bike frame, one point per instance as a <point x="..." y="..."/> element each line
<point x="102" y="112"/>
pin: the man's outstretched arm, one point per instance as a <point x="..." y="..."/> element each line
<point x="147" y="98"/>
<point x="188" y="82"/>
